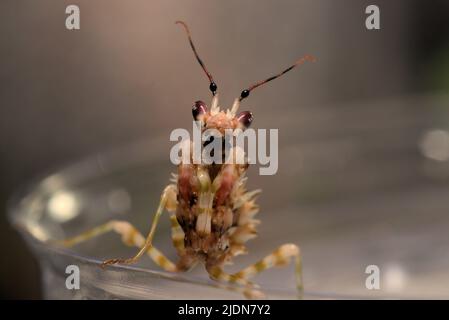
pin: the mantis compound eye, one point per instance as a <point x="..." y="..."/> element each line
<point x="199" y="109"/>
<point x="245" y="118"/>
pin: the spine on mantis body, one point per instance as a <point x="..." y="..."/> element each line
<point x="245" y="224"/>
<point x="216" y="216"/>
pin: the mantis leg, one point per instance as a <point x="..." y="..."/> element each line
<point x="168" y="201"/>
<point x="131" y="236"/>
<point x="248" y="288"/>
<point x="279" y="257"/>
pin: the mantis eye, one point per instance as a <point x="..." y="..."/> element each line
<point x="199" y="109"/>
<point x="245" y="118"/>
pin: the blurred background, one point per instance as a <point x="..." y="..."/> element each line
<point x="128" y="74"/>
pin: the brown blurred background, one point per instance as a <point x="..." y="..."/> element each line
<point x="67" y="94"/>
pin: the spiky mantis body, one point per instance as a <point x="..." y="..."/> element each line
<point x="214" y="209"/>
<point x="212" y="214"/>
